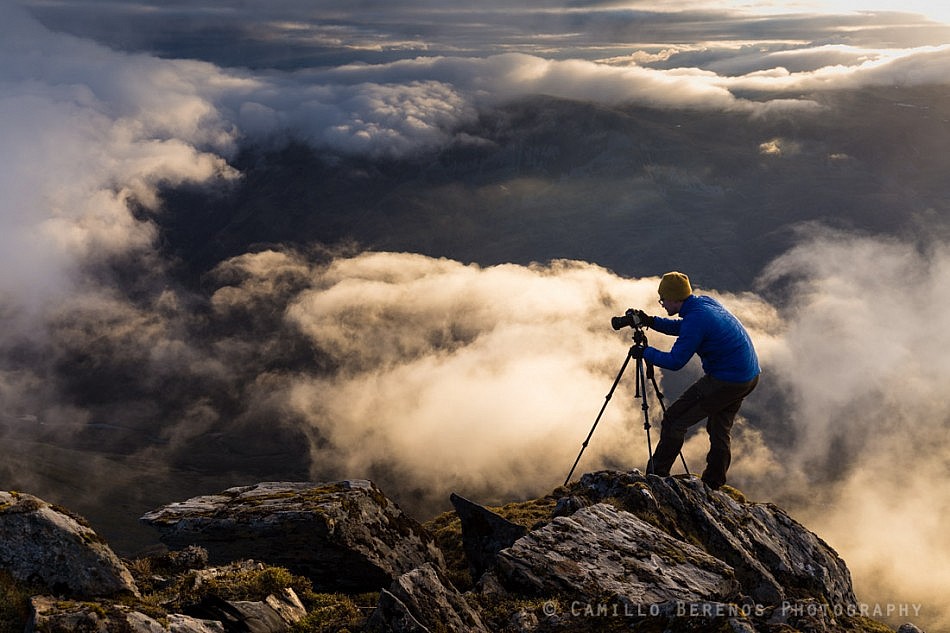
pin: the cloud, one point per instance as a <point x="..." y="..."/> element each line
<point x="456" y="374"/>
<point x="88" y="132"/>
<point x="291" y="35"/>
<point x="867" y="294"/>
<point x="168" y="120"/>
<point x="419" y="104"/>
<point x="376" y="117"/>
<point x="868" y="410"/>
<point x="908" y="67"/>
<point x="449" y="376"/>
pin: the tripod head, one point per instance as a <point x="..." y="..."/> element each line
<point x="639" y="338"/>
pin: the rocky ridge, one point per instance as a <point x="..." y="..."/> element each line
<point x="311" y="529"/>
<point x="613" y="551"/>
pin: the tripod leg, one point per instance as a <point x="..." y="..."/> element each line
<point x="641" y="382"/>
<point x="685" y="467"/>
<point x="607" y="398"/>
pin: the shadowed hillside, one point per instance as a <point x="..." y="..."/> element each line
<point x="637" y="190"/>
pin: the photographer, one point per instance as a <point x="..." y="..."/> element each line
<point x="730" y="366"/>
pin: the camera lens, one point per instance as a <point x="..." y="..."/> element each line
<point x="621" y="321"/>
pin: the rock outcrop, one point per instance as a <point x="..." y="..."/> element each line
<point x="601" y="552"/>
<point x="671" y="553"/>
<point x="273" y="614"/>
<point x="344" y="536"/>
<point x="40" y="543"/>
<point x="484" y="534"/>
<point x="620" y="551"/>
<point x="773" y="556"/>
<point x="423" y="601"/>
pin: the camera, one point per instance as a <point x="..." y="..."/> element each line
<point x="629" y="319"/>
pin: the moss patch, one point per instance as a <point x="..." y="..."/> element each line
<point x="336" y="613"/>
<point x="735" y="493"/>
<point x="861" y="624"/>
<point x="531" y="514"/>
<point x="14" y="604"/>
<point x="446" y="529"/>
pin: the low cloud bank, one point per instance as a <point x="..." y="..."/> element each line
<point x="865" y="366"/>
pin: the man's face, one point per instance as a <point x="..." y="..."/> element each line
<point x="671" y="307"/>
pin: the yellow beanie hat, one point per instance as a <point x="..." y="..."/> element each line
<point x="674" y="286"/>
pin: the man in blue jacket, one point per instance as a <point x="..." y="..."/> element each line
<point x="730" y="366"/>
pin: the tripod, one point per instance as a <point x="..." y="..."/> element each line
<point x="644" y="372"/>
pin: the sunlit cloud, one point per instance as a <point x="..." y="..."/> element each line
<point x="871" y="407"/>
<point x="927" y="65"/>
<point x="87" y="132"/>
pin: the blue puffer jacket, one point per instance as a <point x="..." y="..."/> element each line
<point x="708" y="329"/>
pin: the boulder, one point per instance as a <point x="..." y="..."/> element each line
<point x="423" y="601"/>
<point x="392" y="615"/>
<point x="178" y="623"/>
<point x="51" y="546"/>
<point x="275" y="614"/>
<point x="774" y="557"/>
<point x="344" y="536"/>
<point x="602" y="553"/>
<point x="484" y="534"/>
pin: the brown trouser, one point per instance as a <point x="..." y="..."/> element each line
<point x="716" y="400"/>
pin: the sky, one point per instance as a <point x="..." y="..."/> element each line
<point x="439" y="372"/>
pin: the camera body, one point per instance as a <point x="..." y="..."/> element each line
<point x="630" y="318"/>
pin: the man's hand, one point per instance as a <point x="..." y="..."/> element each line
<point x="644" y="318"/>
